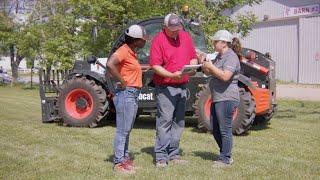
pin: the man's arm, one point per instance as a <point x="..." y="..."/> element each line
<point x="194" y="61"/>
<point x="164" y="73"/>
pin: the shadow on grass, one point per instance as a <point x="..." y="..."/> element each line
<point x="143" y="122"/>
<point x="56" y="122"/>
<point x="147" y="122"/>
<point x="106" y="122"/>
<point x="206" y="155"/>
<point x="150" y="151"/>
<point x="258" y="126"/>
<point x="110" y="158"/>
<point x="28" y="87"/>
<point x="196" y="129"/>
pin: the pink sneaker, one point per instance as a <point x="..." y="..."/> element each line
<point x="131" y="164"/>
<point x="123" y="168"/>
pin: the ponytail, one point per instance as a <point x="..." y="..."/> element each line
<point x="236" y="47"/>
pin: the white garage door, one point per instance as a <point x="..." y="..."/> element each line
<point x="309" y="54"/>
<point x="280" y="38"/>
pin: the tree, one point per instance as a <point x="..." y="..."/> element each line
<point x="56" y="32"/>
<point x="210" y="14"/>
<point x="12" y="31"/>
<point x="112" y="15"/>
<point x="55" y="28"/>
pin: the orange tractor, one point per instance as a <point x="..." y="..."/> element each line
<point x="83" y="95"/>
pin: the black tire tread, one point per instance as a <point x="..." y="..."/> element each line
<point x="246" y="113"/>
<point x="200" y="97"/>
<point x="99" y="92"/>
<point x="244" y="118"/>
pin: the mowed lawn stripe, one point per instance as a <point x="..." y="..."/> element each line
<point x="286" y="148"/>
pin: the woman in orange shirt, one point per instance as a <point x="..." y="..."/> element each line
<point x="124" y="66"/>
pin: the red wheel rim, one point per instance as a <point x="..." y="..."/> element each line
<point x="235" y="113"/>
<point x="70" y="104"/>
<point x="207" y="106"/>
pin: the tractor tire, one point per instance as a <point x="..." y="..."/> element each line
<point x="263" y="119"/>
<point x="81" y="102"/>
<point x="111" y="116"/>
<point x="243" y="116"/>
<point x="202" y="108"/>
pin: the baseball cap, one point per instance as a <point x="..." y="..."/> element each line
<point x="173" y="22"/>
<point x="222" y="35"/>
<point x="137" y="31"/>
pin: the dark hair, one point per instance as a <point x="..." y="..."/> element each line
<point x="129" y="39"/>
<point x="236" y="47"/>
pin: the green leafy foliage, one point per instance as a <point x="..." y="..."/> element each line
<point x="13" y="35"/>
<point x="56" y="32"/>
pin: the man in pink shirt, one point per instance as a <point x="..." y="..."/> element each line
<point x="170" y="50"/>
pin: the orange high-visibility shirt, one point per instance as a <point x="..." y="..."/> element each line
<point x="129" y="66"/>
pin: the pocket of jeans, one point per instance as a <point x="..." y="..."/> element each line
<point x="130" y="106"/>
<point x="130" y="92"/>
<point x="115" y="99"/>
<point x="130" y="100"/>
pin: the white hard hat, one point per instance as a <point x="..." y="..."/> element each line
<point x="222" y="35"/>
<point x="137" y="31"/>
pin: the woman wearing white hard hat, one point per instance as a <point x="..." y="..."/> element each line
<point x="124" y="66"/>
<point x="225" y="70"/>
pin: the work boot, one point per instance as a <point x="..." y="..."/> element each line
<point x="220" y="164"/>
<point x="161" y="164"/>
<point x="123" y="168"/>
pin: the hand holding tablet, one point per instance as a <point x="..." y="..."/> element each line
<point x="189" y="69"/>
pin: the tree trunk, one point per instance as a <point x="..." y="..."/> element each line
<point x="15" y="61"/>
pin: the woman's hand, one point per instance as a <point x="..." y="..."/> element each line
<point x="206" y="65"/>
<point x="121" y="85"/>
<point x="202" y="57"/>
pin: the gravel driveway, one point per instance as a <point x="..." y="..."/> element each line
<point x="298" y="92"/>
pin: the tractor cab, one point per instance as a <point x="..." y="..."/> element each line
<point x="153" y="26"/>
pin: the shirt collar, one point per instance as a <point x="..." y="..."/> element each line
<point x="225" y="53"/>
<point x="129" y="49"/>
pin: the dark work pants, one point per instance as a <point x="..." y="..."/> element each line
<point x="170" y="121"/>
<point x="221" y="127"/>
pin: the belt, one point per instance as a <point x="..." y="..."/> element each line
<point x="172" y="85"/>
<point x="135" y="87"/>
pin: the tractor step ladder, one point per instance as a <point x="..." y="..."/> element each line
<point x="49" y="83"/>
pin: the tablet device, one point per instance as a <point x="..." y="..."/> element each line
<point x="190" y="68"/>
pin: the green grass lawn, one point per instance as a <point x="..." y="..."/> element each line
<point x="286" y="148"/>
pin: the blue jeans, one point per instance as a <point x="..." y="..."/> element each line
<point x="126" y="104"/>
<point x="221" y="127"/>
<point x="170" y="121"/>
